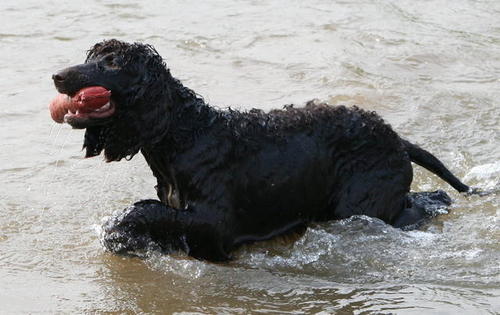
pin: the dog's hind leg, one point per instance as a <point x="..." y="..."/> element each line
<point x="375" y="193"/>
<point x="420" y="207"/>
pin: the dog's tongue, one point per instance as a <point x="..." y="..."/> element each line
<point x="86" y="100"/>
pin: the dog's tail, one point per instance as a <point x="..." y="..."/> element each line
<point x="431" y="163"/>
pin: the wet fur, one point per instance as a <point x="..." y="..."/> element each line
<point x="226" y="177"/>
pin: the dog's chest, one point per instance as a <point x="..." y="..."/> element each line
<point x="169" y="195"/>
<point x="167" y="187"/>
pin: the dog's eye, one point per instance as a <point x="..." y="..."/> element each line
<point x="111" y="62"/>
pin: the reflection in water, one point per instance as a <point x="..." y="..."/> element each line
<point x="431" y="70"/>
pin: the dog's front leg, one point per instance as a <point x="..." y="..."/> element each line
<point x="151" y="224"/>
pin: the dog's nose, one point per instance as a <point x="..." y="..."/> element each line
<point x="63" y="75"/>
<point x="58" y="77"/>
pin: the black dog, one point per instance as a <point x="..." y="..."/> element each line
<point x="226" y="177"/>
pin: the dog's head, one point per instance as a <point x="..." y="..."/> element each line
<point x="121" y="95"/>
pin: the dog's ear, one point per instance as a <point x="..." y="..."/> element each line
<point x="94" y="141"/>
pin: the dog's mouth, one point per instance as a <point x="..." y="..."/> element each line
<point x="89" y="106"/>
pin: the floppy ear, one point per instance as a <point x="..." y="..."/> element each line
<point x="94" y="141"/>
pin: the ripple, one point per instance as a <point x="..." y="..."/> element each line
<point x="432" y="74"/>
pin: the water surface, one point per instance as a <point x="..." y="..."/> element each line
<point x="430" y="68"/>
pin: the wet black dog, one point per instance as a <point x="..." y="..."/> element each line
<point x="226" y="177"/>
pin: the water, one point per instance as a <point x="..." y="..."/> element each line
<point x="430" y="68"/>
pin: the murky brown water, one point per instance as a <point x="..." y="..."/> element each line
<point x="431" y="68"/>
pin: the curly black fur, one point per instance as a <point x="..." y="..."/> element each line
<point x="122" y="138"/>
<point x="229" y="177"/>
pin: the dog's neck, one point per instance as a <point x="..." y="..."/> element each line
<point x="189" y="116"/>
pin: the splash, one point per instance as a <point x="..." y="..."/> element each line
<point x="486" y="175"/>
